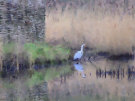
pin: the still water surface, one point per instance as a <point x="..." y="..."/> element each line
<point x="90" y="81"/>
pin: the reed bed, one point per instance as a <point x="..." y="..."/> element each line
<point x="103" y="31"/>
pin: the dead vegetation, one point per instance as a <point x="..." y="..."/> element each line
<point x="102" y="29"/>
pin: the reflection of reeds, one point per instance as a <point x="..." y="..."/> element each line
<point x="106" y="32"/>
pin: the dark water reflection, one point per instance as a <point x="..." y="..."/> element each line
<point x="97" y="81"/>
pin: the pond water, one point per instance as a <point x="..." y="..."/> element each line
<point x="102" y="80"/>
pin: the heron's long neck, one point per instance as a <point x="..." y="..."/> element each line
<point x="82" y="49"/>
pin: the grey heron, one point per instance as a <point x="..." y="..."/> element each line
<point x="79" y="54"/>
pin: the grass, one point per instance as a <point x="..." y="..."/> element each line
<point x="103" y="31"/>
<point x="37" y="50"/>
<point x="45" y="52"/>
<point x="30" y="52"/>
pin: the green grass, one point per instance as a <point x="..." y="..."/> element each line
<point x="38" y="50"/>
<point x="45" y="52"/>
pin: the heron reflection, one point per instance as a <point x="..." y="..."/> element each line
<point x="80" y="69"/>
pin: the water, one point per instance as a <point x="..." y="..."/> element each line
<point x="102" y="80"/>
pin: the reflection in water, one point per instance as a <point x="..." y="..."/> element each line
<point x="18" y="90"/>
<point x="62" y="83"/>
<point x="79" y="68"/>
<point x="39" y="92"/>
<point x="118" y="73"/>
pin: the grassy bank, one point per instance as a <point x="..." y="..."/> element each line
<point x="30" y="54"/>
<point x="45" y="52"/>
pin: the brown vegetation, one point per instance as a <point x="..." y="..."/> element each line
<point x="106" y="27"/>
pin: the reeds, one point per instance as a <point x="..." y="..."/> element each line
<point x="104" y="31"/>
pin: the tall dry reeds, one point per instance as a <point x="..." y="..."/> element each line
<point x="104" y="31"/>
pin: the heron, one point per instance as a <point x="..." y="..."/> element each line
<point x="79" y="54"/>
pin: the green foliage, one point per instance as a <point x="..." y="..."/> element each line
<point x="62" y="53"/>
<point x="46" y="52"/>
<point x="31" y="51"/>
